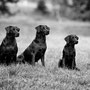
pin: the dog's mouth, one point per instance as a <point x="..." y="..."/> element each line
<point x="47" y="33"/>
<point x="17" y="35"/>
<point x="76" y="42"/>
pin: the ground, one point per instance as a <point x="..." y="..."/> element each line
<point x="26" y="77"/>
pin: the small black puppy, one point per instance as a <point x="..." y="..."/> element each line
<point x="8" y="47"/>
<point x="69" y="53"/>
<point x="36" y="50"/>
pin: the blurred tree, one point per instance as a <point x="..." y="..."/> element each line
<point x="4" y="9"/>
<point x="82" y="4"/>
<point x="75" y="9"/>
<point x="42" y="7"/>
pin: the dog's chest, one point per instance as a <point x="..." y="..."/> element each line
<point x="41" y="48"/>
<point x="69" y="51"/>
<point x="41" y="51"/>
<point x="9" y="47"/>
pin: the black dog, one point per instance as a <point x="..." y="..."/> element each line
<point x="69" y="53"/>
<point x="36" y="50"/>
<point x="8" y="47"/>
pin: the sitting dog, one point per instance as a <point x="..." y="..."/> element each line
<point x="36" y="50"/>
<point x="8" y="47"/>
<point x="69" y="53"/>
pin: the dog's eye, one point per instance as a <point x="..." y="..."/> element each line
<point x="77" y="38"/>
<point x="43" y="27"/>
<point x="46" y="27"/>
<point x="13" y="29"/>
<point x="73" y="38"/>
<point x="40" y="26"/>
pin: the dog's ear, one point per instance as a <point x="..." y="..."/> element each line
<point x="38" y="28"/>
<point x="7" y="29"/>
<point x="67" y="39"/>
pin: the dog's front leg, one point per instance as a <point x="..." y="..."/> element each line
<point x="63" y="62"/>
<point x="33" y="59"/>
<point x="73" y="64"/>
<point x="42" y="60"/>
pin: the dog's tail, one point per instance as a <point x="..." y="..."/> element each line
<point x="20" y="59"/>
<point x="77" y="69"/>
<point x="60" y="63"/>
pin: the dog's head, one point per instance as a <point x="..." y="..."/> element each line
<point x="44" y="29"/>
<point x="12" y="31"/>
<point x="73" y="39"/>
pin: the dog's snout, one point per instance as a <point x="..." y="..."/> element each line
<point x="18" y="29"/>
<point x="76" y="42"/>
<point x="47" y="32"/>
<point x="17" y="34"/>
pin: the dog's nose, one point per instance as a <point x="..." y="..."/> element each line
<point x="18" y="30"/>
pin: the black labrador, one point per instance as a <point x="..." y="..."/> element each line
<point x="36" y="50"/>
<point x="69" y="53"/>
<point x="8" y="47"/>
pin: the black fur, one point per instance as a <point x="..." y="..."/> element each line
<point x="69" y="53"/>
<point x="8" y="47"/>
<point x="36" y="50"/>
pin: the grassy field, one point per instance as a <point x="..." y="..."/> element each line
<point x="26" y="77"/>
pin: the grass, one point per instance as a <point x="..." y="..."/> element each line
<point x="26" y="77"/>
<point x="39" y="78"/>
